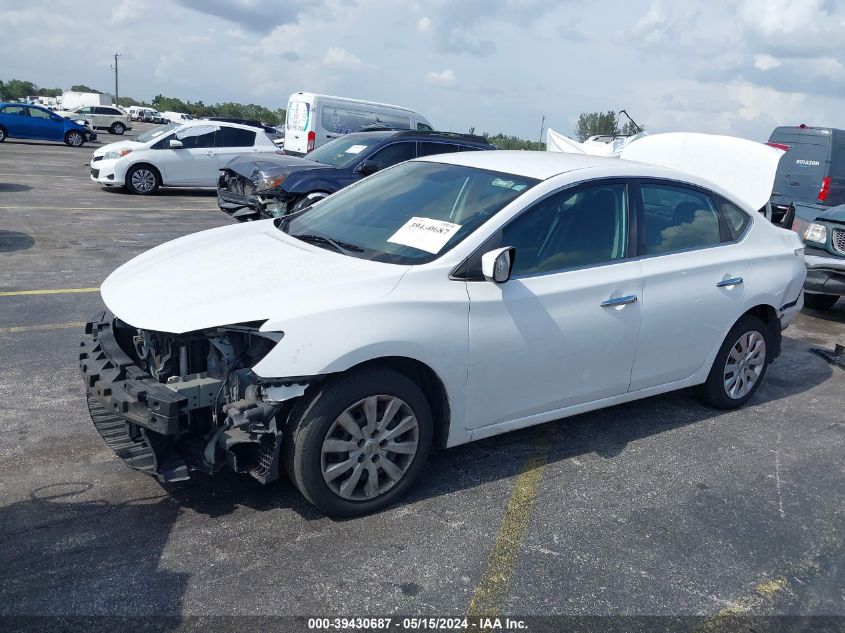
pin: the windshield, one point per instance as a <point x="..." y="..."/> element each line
<point x="409" y="214"/>
<point x="343" y="151"/>
<point x="156" y="132"/>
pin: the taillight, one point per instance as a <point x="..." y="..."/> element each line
<point x="825" y="189"/>
<point x="780" y="146"/>
<point x="312" y="138"/>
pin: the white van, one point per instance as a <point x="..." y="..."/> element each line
<point x="177" y="117"/>
<point x="314" y="119"/>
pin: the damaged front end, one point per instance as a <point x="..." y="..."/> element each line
<point x="169" y="404"/>
<point x="254" y="197"/>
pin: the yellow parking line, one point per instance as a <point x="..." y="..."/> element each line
<point x="492" y="589"/>
<point x="41" y="328"/>
<point x="52" y="291"/>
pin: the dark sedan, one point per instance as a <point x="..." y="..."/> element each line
<point x="253" y="188"/>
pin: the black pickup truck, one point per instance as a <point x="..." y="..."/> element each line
<point x="253" y="188"/>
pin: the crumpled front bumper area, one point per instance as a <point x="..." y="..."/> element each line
<point x="135" y="414"/>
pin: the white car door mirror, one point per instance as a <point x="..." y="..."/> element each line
<point x="496" y="265"/>
<point x="174" y="144"/>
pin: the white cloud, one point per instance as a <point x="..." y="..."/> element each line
<point x="766" y="62"/>
<point x="337" y="56"/>
<point x="444" y="78"/>
<point x="424" y="24"/>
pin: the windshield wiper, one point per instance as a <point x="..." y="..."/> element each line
<point x="340" y="247"/>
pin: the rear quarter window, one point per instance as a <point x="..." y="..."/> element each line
<point x="735" y="218"/>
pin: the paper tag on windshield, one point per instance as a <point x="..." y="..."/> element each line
<point x="355" y="149"/>
<point x="425" y="234"/>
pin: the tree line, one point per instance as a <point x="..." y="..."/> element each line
<point x="17" y="89"/>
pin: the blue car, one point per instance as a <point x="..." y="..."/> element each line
<point x="22" y="120"/>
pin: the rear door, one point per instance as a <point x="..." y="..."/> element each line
<point x="695" y="279"/>
<point x="233" y="141"/>
<point x="836" y="195"/>
<point x="803" y="167"/>
<point x="297" y="125"/>
<point x="16" y="121"/>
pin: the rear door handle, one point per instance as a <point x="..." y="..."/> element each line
<point x="619" y="301"/>
<point x="733" y="281"/>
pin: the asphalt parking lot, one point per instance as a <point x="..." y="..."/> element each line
<point x="661" y="507"/>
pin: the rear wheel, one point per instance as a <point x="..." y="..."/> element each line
<point x="820" y="302"/>
<point x="74" y="138"/>
<point x="117" y="128"/>
<point x="740" y="365"/>
<point x="359" y="442"/>
<point x="143" y="180"/>
<point x="2" y="134"/>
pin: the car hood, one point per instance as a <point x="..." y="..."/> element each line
<point x="101" y="151"/>
<point x="833" y="214"/>
<point x="263" y="167"/>
<point x="237" y="274"/>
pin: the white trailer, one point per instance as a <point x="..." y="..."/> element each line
<point x="72" y="100"/>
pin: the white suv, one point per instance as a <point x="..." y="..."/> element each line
<point x="101" y="117"/>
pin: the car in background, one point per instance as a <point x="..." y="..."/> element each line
<point x="823" y="231"/>
<point x="101" y="118"/>
<point x="441" y="301"/>
<point x="148" y="115"/>
<point x="176" y="117"/>
<point x="20" y="120"/>
<point x="251" y="189"/>
<point x="313" y="119"/>
<point x="811" y="172"/>
<point x="176" y="155"/>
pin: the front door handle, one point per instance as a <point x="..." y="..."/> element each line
<point x="619" y="301"/>
<point x="733" y="281"/>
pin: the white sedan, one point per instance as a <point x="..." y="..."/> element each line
<point x="176" y="155"/>
<point x="447" y="299"/>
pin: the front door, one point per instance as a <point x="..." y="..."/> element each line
<point x="563" y="330"/>
<point x="195" y="163"/>
<point x="43" y="125"/>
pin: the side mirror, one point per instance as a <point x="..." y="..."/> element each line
<point x="367" y="167"/>
<point x="496" y="265"/>
<point x="174" y="144"/>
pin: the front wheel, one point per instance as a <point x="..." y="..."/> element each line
<point x="740" y="365"/>
<point x="820" y="302"/>
<point x="359" y="442"/>
<point x="117" y="128"/>
<point x="143" y="180"/>
<point x="74" y="138"/>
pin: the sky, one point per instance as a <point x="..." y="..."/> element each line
<point x="736" y="67"/>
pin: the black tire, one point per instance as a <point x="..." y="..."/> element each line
<point x="714" y="392"/>
<point x="314" y="417"/>
<point x="307" y="200"/>
<point x="117" y="128"/>
<point x="74" y="139"/>
<point x="820" y="302"/>
<point x="143" y="179"/>
<point x="2" y="134"/>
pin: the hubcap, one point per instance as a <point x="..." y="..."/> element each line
<point x="744" y="364"/>
<point x="143" y="180"/>
<point x="369" y="447"/>
<point x="75" y="139"/>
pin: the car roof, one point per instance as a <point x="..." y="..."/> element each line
<point x="530" y="164"/>
<point x="193" y="122"/>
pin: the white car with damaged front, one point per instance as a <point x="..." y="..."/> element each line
<point x="440" y="301"/>
<point x="176" y="155"/>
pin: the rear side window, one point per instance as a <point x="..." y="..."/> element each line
<point x="235" y="137"/>
<point x="736" y="219"/>
<point x="430" y="149"/>
<point x="677" y="219"/>
<point x="18" y="110"/>
<point x="837" y="168"/>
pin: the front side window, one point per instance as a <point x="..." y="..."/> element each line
<point x="37" y="113"/>
<point x="85" y="110"/>
<point x="235" y="137"/>
<point x="410" y="214"/>
<point x="677" y="219"/>
<point x="570" y="229"/>
<point x="393" y="154"/>
<point x="197" y="136"/>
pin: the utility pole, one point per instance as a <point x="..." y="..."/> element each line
<point x="114" y="68"/>
<point x="542" y="127"/>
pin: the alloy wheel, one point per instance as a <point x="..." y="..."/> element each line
<point x="369" y="447"/>
<point x="75" y="139"/>
<point x="744" y="364"/>
<point x="143" y="180"/>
